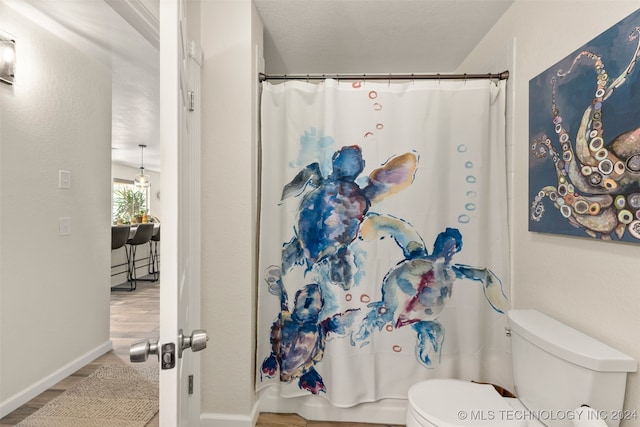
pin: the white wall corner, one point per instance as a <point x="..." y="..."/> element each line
<point x="209" y="419"/>
<point x="22" y="397"/>
<point x="143" y="15"/>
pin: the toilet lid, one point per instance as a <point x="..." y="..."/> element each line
<point x="454" y="403"/>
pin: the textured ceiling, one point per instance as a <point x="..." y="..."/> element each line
<point x="300" y="36"/>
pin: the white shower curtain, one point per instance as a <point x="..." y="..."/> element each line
<point x="383" y="237"/>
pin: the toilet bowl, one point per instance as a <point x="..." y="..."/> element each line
<point x="431" y="404"/>
<point x="556" y="370"/>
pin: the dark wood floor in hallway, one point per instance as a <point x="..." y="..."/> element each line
<point x="136" y="316"/>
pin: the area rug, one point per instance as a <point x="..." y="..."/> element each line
<point x="113" y="396"/>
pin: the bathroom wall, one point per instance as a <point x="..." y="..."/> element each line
<point x="54" y="298"/>
<point x="592" y="285"/>
<point x="564" y="277"/>
<point x="231" y="35"/>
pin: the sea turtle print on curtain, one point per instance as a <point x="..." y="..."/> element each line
<point x="347" y="202"/>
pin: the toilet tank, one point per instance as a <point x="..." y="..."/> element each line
<point x="557" y="369"/>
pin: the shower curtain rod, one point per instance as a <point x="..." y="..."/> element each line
<point x="499" y="76"/>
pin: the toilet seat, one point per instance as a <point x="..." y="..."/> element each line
<point x="455" y="403"/>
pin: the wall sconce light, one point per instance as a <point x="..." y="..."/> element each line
<point x="7" y="58"/>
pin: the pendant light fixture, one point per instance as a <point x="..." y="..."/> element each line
<point x="142" y="180"/>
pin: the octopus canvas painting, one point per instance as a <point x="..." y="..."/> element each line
<point x="584" y="137"/>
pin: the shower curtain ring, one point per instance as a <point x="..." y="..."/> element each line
<point x="307" y="78"/>
<point x="439" y="81"/>
<point x="389" y="81"/>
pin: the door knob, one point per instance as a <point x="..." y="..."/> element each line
<point x="196" y="342"/>
<point x="140" y="350"/>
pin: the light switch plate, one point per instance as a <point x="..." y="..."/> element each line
<point x="65" y="226"/>
<point x="64" y="179"/>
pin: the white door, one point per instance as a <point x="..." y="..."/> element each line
<point x="180" y="286"/>
<point x="179" y="338"/>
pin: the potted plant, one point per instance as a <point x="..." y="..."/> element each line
<point x="128" y="203"/>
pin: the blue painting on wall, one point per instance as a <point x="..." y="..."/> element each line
<point x="584" y="140"/>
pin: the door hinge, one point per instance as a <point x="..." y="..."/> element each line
<point x="192" y="100"/>
<point x="190" y="384"/>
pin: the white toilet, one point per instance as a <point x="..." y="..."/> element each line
<point x="556" y="370"/>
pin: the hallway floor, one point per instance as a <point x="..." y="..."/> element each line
<point x="136" y="316"/>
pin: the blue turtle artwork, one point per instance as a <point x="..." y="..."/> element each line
<point x="415" y="291"/>
<point x="298" y="337"/>
<point x="333" y="217"/>
<point x="333" y="207"/>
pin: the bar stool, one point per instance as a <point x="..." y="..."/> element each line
<point x="142" y="236"/>
<point x="154" y="264"/>
<point x="119" y="237"/>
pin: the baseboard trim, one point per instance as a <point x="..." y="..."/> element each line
<point x="20" y="398"/>
<point x="209" y="419"/>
